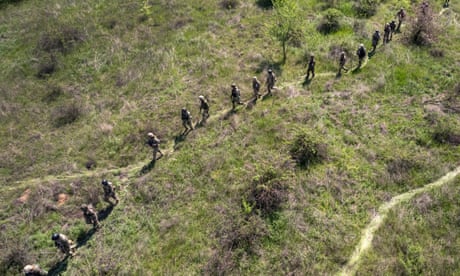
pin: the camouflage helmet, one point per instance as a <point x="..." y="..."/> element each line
<point x="105" y="182"/>
<point x="55" y="236"/>
<point x="270" y="70"/>
<point x="233" y="85"/>
<point x="361" y="45"/>
<point x="28" y="269"/>
<point x="84" y="207"/>
<point x="201" y="97"/>
<point x="150" y="134"/>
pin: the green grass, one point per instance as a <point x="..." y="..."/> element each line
<point x="139" y="62"/>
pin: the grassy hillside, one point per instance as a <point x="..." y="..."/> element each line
<point x="82" y="82"/>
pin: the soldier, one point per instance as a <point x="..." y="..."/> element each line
<point x="401" y="16"/>
<point x="375" y="40"/>
<point x="311" y="67"/>
<point x="90" y="215"/>
<point x="109" y="191"/>
<point x="236" y="96"/>
<point x="446" y="3"/>
<point x="204" y="106"/>
<point x="271" y="79"/>
<point x="392" y="28"/>
<point x="361" y="54"/>
<point x="386" y="33"/>
<point x="256" y="88"/>
<point x="186" y="119"/>
<point x="34" y="270"/>
<point x="154" y="143"/>
<point x="66" y="245"/>
<point x="342" y="61"/>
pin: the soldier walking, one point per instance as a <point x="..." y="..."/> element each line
<point x="90" y="215"/>
<point x="186" y="119"/>
<point x="204" y="108"/>
<point x="271" y="79"/>
<point x="375" y="40"/>
<point x="392" y="28"/>
<point x="361" y="53"/>
<point x="386" y="33"/>
<point x="235" y="96"/>
<point x="311" y="67"/>
<point x="66" y="245"/>
<point x="34" y="270"/>
<point x="401" y="16"/>
<point x="446" y="3"/>
<point x="109" y="192"/>
<point x="342" y="61"/>
<point x="154" y="143"/>
<point x="255" y="88"/>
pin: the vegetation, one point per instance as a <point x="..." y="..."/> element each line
<point x="282" y="186"/>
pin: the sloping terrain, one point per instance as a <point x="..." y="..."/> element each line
<point x="281" y="186"/>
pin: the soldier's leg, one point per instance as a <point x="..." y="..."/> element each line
<point x="115" y="197"/>
<point x="189" y="122"/>
<point x="313" y="73"/>
<point x="184" y="124"/>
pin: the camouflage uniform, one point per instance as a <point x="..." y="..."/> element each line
<point x="236" y="96"/>
<point x="361" y="53"/>
<point x="256" y="87"/>
<point x="386" y="33"/>
<point x="311" y="67"/>
<point x="375" y="40"/>
<point x="342" y="61"/>
<point x="90" y="215"/>
<point x="66" y="245"/>
<point x="392" y="28"/>
<point x="109" y="192"/>
<point x="446" y="3"/>
<point x="271" y="79"/>
<point x="186" y="119"/>
<point x="154" y="143"/>
<point x="401" y="15"/>
<point x="204" y="106"/>
<point x="34" y="270"/>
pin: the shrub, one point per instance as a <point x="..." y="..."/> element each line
<point x="366" y="8"/>
<point x="46" y="66"/>
<point x="265" y="3"/>
<point x="306" y="150"/>
<point x="66" y="114"/>
<point x="16" y="257"/>
<point x="229" y="4"/>
<point x="54" y="93"/>
<point x="399" y="169"/>
<point x="330" y="22"/>
<point x="423" y="29"/>
<point x="238" y="237"/>
<point x="61" y="40"/>
<point x="267" y="193"/>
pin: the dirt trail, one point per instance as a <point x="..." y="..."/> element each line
<point x="368" y="234"/>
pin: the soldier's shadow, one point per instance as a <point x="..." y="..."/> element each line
<point x="306" y="82"/>
<point x="371" y="54"/>
<point x="84" y="237"/>
<point x="104" y="213"/>
<point x="145" y="169"/>
<point x="59" y="267"/>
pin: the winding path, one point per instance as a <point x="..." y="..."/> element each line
<point x="368" y="233"/>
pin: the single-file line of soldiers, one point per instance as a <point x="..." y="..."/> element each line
<point x="68" y="247"/>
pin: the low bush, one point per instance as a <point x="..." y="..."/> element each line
<point x="47" y="65"/>
<point x="423" y="29"/>
<point x="230" y="4"/>
<point x="66" y="114"/>
<point x="267" y="192"/>
<point x="61" y="40"/>
<point x="366" y="8"/>
<point x="330" y="22"/>
<point x="307" y="150"/>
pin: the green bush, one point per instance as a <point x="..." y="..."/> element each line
<point x="307" y="150"/>
<point x="330" y="22"/>
<point x="267" y="192"/>
<point x="366" y="8"/>
<point x="230" y="4"/>
<point x="66" y="114"/>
